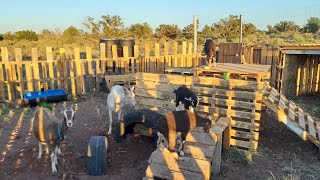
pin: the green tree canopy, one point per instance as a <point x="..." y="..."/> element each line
<point x="313" y="25"/>
<point x="112" y="26"/>
<point x="284" y="26"/>
<point x="207" y="32"/>
<point x="168" y="30"/>
<point x="71" y="34"/>
<point x="27" y="35"/>
<point x="93" y="27"/>
<point x="141" y="30"/>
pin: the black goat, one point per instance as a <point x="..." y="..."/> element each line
<point x="185" y="99"/>
<point x="210" y="50"/>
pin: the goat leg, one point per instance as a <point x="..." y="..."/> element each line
<point x="119" y="115"/>
<point x="110" y="119"/>
<point x="55" y="154"/>
<point x="40" y="150"/>
<point x="53" y="164"/>
<point x="59" y="150"/>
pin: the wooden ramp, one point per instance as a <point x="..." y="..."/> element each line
<point x="202" y="156"/>
<point x="300" y="122"/>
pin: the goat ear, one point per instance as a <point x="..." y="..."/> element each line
<point x="126" y="89"/>
<point x="132" y="88"/>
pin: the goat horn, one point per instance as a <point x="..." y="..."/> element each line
<point x="188" y="99"/>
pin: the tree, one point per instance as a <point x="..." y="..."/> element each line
<point x="92" y="26"/>
<point x="207" y="32"/>
<point x="187" y="31"/>
<point x="227" y="28"/>
<point x="167" y="30"/>
<point x="285" y="26"/>
<point x="112" y="26"/>
<point x="1" y="37"/>
<point x="141" y="30"/>
<point x="313" y="25"/>
<point x="71" y="34"/>
<point x="27" y="35"/>
<point x="9" y="36"/>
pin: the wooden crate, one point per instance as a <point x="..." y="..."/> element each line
<point x="237" y="99"/>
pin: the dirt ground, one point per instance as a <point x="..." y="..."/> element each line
<point x="281" y="153"/>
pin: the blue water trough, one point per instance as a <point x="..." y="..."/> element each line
<point x="50" y="96"/>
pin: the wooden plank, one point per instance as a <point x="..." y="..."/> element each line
<point x="245" y="135"/>
<point x="283" y="103"/>
<point x="162" y="171"/>
<point x="2" y="95"/>
<point x="50" y="66"/>
<point x="298" y="80"/>
<point x="216" y="158"/>
<point x="125" y="59"/>
<point x="90" y="70"/>
<point x="58" y="68"/>
<point x="78" y="70"/>
<point x="72" y="80"/>
<point x="35" y="67"/>
<point x="63" y="60"/>
<point x="175" y="54"/>
<point x="318" y="75"/>
<point x="204" y="138"/>
<point x="264" y="55"/>
<point x="220" y="125"/>
<point x="302" y="122"/>
<point x="137" y="58"/>
<point x="198" y="150"/>
<point x="18" y="58"/>
<point x="292" y="112"/>
<point x="188" y="163"/>
<point x="29" y="78"/>
<point x="245" y="125"/>
<point x="161" y="78"/>
<point x="310" y="74"/>
<point x="253" y="145"/>
<point x="102" y="57"/>
<point x="311" y="126"/>
<point x="114" y="57"/>
<point x="147" y="57"/>
<point x="5" y="60"/>
<point x="269" y="55"/>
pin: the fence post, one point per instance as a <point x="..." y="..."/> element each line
<point x="175" y="53"/>
<point x="125" y="59"/>
<point x="72" y="81"/>
<point x="18" y="59"/>
<point x="1" y="80"/>
<point x="103" y="58"/>
<point x="147" y="58"/>
<point x="5" y="59"/>
<point x="91" y="74"/>
<point x="166" y="54"/>
<point x="35" y="67"/>
<point x="63" y="60"/>
<point x="115" y="58"/>
<point x="137" y="58"/>
<point x="189" y="56"/>
<point x="50" y="64"/>
<point x="78" y="70"/>
<point x="156" y="63"/>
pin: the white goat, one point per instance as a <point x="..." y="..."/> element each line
<point x="117" y="98"/>
<point x="49" y="131"/>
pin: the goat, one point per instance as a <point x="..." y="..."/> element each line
<point x="185" y="99"/>
<point x="49" y="131"/>
<point x="210" y="51"/>
<point x="117" y="98"/>
<point x="179" y="121"/>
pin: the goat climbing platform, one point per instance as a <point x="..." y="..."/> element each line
<point x="300" y="122"/>
<point x="202" y="156"/>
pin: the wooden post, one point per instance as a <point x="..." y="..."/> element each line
<point x="184" y="54"/>
<point x="78" y="70"/>
<point x="90" y="71"/>
<point x="147" y="57"/>
<point x="189" y="56"/>
<point x="35" y="67"/>
<point x="156" y="64"/>
<point x="125" y="60"/>
<point x="50" y="65"/>
<point x="166" y="54"/>
<point x="137" y="58"/>
<point x="73" y="86"/>
<point x="5" y="60"/>
<point x="195" y="32"/>
<point x="175" y="53"/>
<point x="29" y="77"/>
<point x="240" y="39"/>
<point x="103" y="58"/>
<point x="1" y="80"/>
<point x="18" y="58"/>
<point x="64" y="69"/>
<point x="115" y="57"/>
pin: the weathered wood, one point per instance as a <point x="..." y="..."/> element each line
<point x="205" y="138"/>
<point x="5" y="60"/>
<point x="78" y="70"/>
<point x="50" y="65"/>
<point x="18" y="58"/>
<point x="198" y="150"/>
<point x="63" y="61"/>
<point x="188" y="163"/>
<point x="29" y="78"/>
<point x="162" y="171"/>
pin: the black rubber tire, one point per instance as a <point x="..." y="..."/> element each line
<point x="131" y="118"/>
<point x="97" y="156"/>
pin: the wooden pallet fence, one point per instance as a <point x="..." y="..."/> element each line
<point x="237" y="99"/>
<point x="296" y="119"/>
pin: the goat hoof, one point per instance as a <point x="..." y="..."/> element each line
<point x="54" y="170"/>
<point x="39" y="157"/>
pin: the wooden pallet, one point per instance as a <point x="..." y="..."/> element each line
<point x="180" y="71"/>
<point x="237" y="71"/>
<point x="300" y="122"/>
<point x="202" y="156"/>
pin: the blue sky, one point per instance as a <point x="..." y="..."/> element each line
<point x="43" y="14"/>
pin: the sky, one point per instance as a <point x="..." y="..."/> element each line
<point x="37" y="15"/>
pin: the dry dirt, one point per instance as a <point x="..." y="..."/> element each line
<point x="281" y="154"/>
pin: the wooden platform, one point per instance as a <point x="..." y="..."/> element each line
<point x="180" y="71"/>
<point x="202" y="156"/>
<point x="236" y="71"/>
